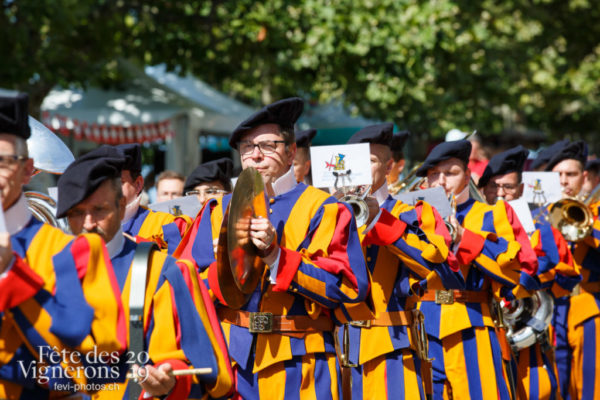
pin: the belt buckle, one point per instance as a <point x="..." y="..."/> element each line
<point x="261" y="322"/>
<point x="365" y="323"/>
<point x="444" y="297"/>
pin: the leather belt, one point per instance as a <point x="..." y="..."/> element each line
<point x="451" y="296"/>
<point x="389" y="318"/>
<point x="590" y="287"/>
<point x="264" y="322"/>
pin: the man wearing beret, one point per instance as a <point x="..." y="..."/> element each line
<point x="577" y="319"/>
<point x="495" y="262"/>
<point x="210" y="180"/>
<point x="49" y="281"/>
<point x="536" y="378"/>
<point x="314" y="267"/>
<point x="394" y="180"/>
<point x="173" y="333"/>
<point x="140" y="222"/>
<point x="403" y="246"/>
<point x="544" y="155"/>
<point x="302" y="159"/>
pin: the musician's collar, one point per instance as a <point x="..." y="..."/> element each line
<point x="463" y="195"/>
<point x="284" y="183"/>
<point x="116" y="244"/>
<point x="131" y="209"/>
<point x="17" y="216"/>
<point x="381" y="194"/>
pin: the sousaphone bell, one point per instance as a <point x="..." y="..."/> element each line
<point x="239" y="266"/>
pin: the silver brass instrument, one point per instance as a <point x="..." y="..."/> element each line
<point x="49" y="154"/>
<point x="358" y="204"/>
<point x="528" y="319"/>
<point x="449" y="226"/>
<point x="572" y="217"/>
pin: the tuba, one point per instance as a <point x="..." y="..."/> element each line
<point x="51" y="155"/>
<point x="572" y="217"/>
<point x="528" y="319"/>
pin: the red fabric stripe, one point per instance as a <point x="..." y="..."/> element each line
<point x="470" y="247"/>
<point x="386" y="230"/>
<point x="526" y="255"/>
<point x="80" y="249"/>
<point x="19" y="284"/>
<point x="289" y="262"/>
<point x="213" y="282"/>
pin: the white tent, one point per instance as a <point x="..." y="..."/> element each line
<point x="155" y="105"/>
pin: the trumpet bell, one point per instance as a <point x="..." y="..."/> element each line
<point x="359" y="208"/>
<point x="572" y="218"/>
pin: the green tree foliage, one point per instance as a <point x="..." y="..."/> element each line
<point x="427" y="65"/>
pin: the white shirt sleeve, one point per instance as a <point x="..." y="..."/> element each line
<point x="274" y="267"/>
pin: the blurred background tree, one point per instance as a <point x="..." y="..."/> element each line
<point x="427" y="65"/>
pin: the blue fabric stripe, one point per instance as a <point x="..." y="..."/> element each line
<point x="472" y="363"/>
<point x="122" y="262"/>
<point x="247" y="382"/>
<point x="202" y="248"/>
<point x="534" y="379"/>
<point x="502" y="385"/>
<point x="172" y="236"/>
<point x="134" y="225"/>
<point x="474" y="312"/>
<point x="589" y="359"/>
<point x="21" y="241"/>
<point x="357" y="382"/>
<point x="562" y="351"/>
<point x="322" y="378"/>
<point x="436" y="351"/>
<point x="293" y="378"/>
<point x="396" y="387"/>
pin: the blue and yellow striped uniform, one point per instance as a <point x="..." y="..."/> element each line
<point x="173" y="329"/>
<point x="462" y="339"/>
<point x="77" y="309"/>
<point x="402" y="249"/>
<point x="163" y="228"/>
<point x="321" y="267"/>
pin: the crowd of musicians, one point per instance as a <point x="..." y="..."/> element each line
<point x="404" y="305"/>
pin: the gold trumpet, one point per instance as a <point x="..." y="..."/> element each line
<point x="409" y="183"/>
<point x="572" y="217"/>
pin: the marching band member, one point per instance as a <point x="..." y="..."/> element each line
<point x="314" y="267"/>
<point x="394" y="176"/>
<point x="577" y="319"/>
<point x="140" y="222"/>
<point x="403" y="251"/>
<point x="502" y="178"/>
<point x="172" y="333"/>
<point x="591" y="176"/>
<point x="495" y="262"/>
<point x="49" y="282"/>
<point x="544" y="155"/>
<point x="302" y="158"/>
<point x="210" y="180"/>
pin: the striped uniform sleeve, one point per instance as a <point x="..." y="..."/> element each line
<point x="415" y="237"/>
<point x="494" y="250"/>
<point x="557" y="270"/>
<point x="18" y="284"/>
<point x="329" y="266"/>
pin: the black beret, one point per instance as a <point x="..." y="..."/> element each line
<point x="376" y="134"/>
<point x="546" y="154"/>
<point x="304" y="138"/>
<point x="84" y="175"/>
<point x="284" y="113"/>
<point x="593" y="165"/>
<point x="460" y="149"/>
<point x="398" y="140"/>
<point x="133" y="157"/>
<point x="216" y="170"/>
<point x="14" y="114"/>
<point x="569" y="151"/>
<point x="511" y="160"/>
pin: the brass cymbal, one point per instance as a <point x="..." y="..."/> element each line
<point x="248" y="201"/>
<point x="229" y="290"/>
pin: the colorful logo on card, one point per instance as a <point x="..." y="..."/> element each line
<point x="337" y="163"/>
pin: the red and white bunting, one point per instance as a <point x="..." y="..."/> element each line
<point x="107" y="134"/>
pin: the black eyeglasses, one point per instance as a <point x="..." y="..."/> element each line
<point x="246" y="147"/>
<point x="8" y="160"/>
